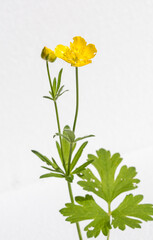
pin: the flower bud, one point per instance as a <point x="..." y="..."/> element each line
<point x="48" y="54"/>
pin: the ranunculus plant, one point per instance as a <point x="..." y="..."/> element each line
<point x="106" y="184"/>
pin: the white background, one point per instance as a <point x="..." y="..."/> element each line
<point x="116" y="104"/>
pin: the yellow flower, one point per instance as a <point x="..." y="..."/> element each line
<point x="78" y="54"/>
<point x="48" y="54"/>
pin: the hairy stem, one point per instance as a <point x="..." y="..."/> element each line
<point x="77" y="99"/>
<point x="72" y="201"/>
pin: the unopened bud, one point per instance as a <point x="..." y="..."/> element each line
<point x="48" y="54"/>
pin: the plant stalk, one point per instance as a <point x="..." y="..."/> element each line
<point x="74" y="125"/>
<point x="108" y="235"/>
<point x="57" y="116"/>
<point x="70" y="155"/>
<point x="59" y="131"/>
<point x="72" y="201"/>
<point x="77" y="99"/>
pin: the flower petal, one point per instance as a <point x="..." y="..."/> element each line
<point x="78" y="44"/>
<point x="79" y="53"/>
<point x="90" y="51"/>
<point x="61" y="50"/>
<point x="80" y="63"/>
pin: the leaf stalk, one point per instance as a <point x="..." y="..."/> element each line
<point x="109" y="213"/>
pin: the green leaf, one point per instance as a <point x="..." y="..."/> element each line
<point x="108" y="187"/>
<point x="54" y="86"/>
<point x="57" y="168"/>
<point x="59" y="150"/>
<point x="50" y="169"/>
<point x="88" y="209"/>
<point x="91" y="183"/>
<point x="51" y="93"/>
<point x="82" y="167"/>
<point x="130" y="207"/>
<point x="48" y="97"/>
<point x="80" y="138"/>
<point x="69" y="178"/>
<point x="58" y="95"/>
<point x="73" y="147"/>
<point x="78" y="155"/>
<point x="62" y="135"/>
<point x="70" y="134"/>
<point x="60" y="90"/>
<point x="46" y="160"/>
<point x="52" y="175"/>
<point x="59" y="79"/>
<point x="43" y="158"/>
<point x="125" y="181"/>
<point x="66" y="145"/>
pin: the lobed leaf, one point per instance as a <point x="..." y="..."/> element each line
<point x="108" y="187"/>
<point x="91" y="183"/>
<point x="125" y="181"/>
<point x="88" y="209"/>
<point x="130" y="207"/>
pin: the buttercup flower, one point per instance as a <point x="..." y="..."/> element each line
<point x="48" y="54"/>
<point x="78" y="54"/>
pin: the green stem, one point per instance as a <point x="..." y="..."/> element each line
<point x="57" y="115"/>
<point x="70" y="192"/>
<point x="108" y="235"/>
<point x="72" y="201"/>
<point x="74" y="125"/>
<point x="49" y="76"/>
<point x="59" y="130"/>
<point x="109" y="213"/>
<point x="70" y="155"/>
<point x="77" y="99"/>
